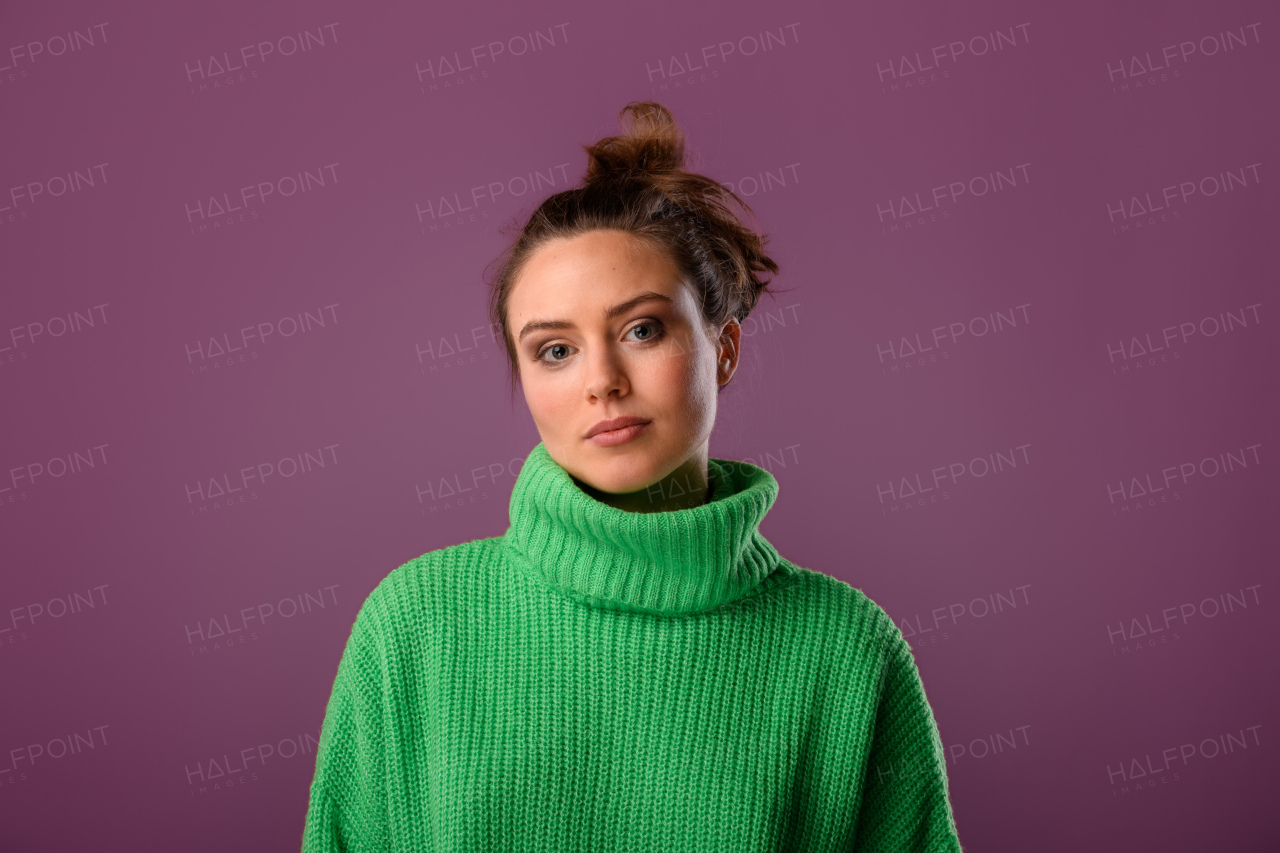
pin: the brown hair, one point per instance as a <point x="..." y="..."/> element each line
<point x="637" y="183"/>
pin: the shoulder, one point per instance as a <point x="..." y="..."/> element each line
<point x="414" y="594"/>
<point x="849" y="613"/>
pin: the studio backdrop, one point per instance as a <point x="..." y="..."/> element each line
<point x="1017" y="381"/>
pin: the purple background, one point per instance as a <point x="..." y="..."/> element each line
<point x="1037" y="596"/>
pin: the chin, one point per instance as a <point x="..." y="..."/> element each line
<point x="623" y="473"/>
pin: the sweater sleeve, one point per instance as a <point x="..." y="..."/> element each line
<point x="347" y="811"/>
<point x="905" y="802"/>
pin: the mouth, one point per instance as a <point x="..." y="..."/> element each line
<point x="617" y="431"/>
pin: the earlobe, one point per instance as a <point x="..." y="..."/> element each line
<point x="725" y="370"/>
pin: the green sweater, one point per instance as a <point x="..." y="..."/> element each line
<point x="604" y="680"/>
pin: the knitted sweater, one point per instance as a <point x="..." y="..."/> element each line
<point x="603" y="680"/>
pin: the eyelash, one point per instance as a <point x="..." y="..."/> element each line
<point x="659" y="331"/>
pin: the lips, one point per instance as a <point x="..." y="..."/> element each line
<point x="619" y="436"/>
<point x="616" y="423"/>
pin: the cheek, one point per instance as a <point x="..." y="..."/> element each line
<point x="679" y="375"/>
<point x="545" y="398"/>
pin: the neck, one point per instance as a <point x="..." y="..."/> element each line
<point x="666" y="562"/>
<point x="687" y="486"/>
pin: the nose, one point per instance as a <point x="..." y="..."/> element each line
<point x="605" y="374"/>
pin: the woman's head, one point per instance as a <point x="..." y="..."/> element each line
<point x="622" y="297"/>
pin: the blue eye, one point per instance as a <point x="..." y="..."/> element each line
<point x="541" y="352"/>
<point x="657" y="331"/>
<point x="649" y="324"/>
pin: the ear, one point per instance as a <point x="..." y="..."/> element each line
<point x="727" y="351"/>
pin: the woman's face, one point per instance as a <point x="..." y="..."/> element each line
<point x="606" y="328"/>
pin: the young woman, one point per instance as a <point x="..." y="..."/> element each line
<point x="631" y="666"/>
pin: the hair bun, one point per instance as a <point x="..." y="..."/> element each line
<point x="653" y="142"/>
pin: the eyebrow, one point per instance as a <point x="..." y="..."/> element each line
<point x="609" y="313"/>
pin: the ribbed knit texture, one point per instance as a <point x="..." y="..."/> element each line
<point x="602" y="680"/>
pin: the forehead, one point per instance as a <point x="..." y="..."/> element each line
<point x="592" y="269"/>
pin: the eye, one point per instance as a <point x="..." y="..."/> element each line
<point x="654" y="327"/>
<point x="650" y="330"/>
<point x="551" y="348"/>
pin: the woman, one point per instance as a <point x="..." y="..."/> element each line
<point x="632" y="665"/>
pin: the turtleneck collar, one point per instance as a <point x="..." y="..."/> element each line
<point x="674" y="562"/>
